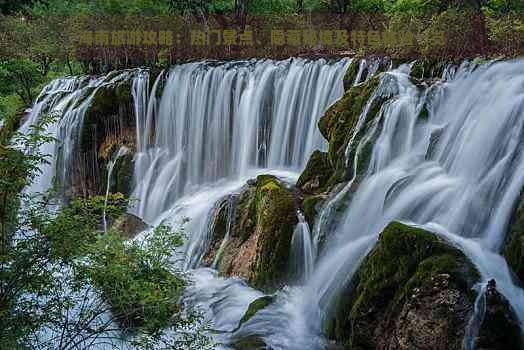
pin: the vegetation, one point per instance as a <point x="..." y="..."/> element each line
<point x="259" y="7"/>
<point x="65" y="283"/>
<point x="409" y="269"/>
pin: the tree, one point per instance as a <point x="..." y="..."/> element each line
<point x="64" y="283"/>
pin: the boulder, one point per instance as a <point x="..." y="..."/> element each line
<point x="315" y="176"/>
<point x="500" y="327"/>
<point x="129" y="225"/>
<point x="412" y="291"/>
<point x="513" y="249"/>
<point x="260" y="238"/>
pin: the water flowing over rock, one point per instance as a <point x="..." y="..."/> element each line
<point x="412" y="291"/>
<point x="259" y="233"/>
<point x="216" y="121"/>
<point x="432" y="144"/>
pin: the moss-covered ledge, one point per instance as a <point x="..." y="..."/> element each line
<point x="513" y="248"/>
<point x="276" y="220"/>
<point x="316" y="174"/>
<point x="261" y="230"/>
<point x="412" y="288"/>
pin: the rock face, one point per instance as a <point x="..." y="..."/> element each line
<point x="316" y="175"/>
<point x="413" y="291"/>
<point x="109" y="124"/>
<point x="500" y="327"/>
<point x="513" y="249"/>
<point x="260" y="233"/>
<point x="130" y="225"/>
<point x="325" y="170"/>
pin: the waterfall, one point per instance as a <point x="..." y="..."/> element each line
<point x="207" y="127"/>
<point x="121" y="152"/>
<point x="302" y="252"/>
<point x="231" y="211"/>
<point x="220" y="120"/>
<point x="462" y="186"/>
<point x="67" y="100"/>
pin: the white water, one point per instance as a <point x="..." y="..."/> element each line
<point x="302" y="255"/>
<point x="463" y="187"/>
<point x="214" y="127"/>
<point x="121" y="152"/>
<point x="66" y="100"/>
<point x="216" y="121"/>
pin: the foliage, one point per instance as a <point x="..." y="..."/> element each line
<point x="101" y="7"/>
<point x="138" y="281"/>
<point x="64" y="284"/>
<point x="20" y="77"/>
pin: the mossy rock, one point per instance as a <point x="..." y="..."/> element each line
<point x="108" y="124"/>
<point x="129" y="225"/>
<point x="513" y="249"/>
<point x="311" y="206"/>
<point x="500" y="328"/>
<point x="255" y="306"/>
<point x="218" y="232"/>
<point x="122" y="176"/>
<point x="258" y="249"/>
<point x="338" y="123"/>
<point x="407" y="265"/>
<point x="429" y="68"/>
<point x="276" y="220"/>
<point x="315" y="176"/>
<point x="249" y="343"/>
<point x="351" y="74"/>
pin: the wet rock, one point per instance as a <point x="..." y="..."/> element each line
<point x="500" y="328"/>
<point x="109" y="123"/>
<point x="219" y="229"/>
<point x="425" y="69"/>
<point x="513" y="249"/>
<point x="260" y="238"/>
<point x="412" y="291"/>
<point x="315" y="176"/>
<point x="312" y="205"/>
<point x="249" y="343"/>
<point x="129" y="225"/>
<point x="351" y="74"/>
<point x="255" y="306"/>
<point x="338" y="124"/>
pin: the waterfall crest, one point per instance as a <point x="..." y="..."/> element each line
<point x="217" y="121"/>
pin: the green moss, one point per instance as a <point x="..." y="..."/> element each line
<point x="405" y="258"/>
<point x="121" y="178"/>
<point x="256" y="306"/>
<point x="310" y="205"/>
<point x="338" y="124"/>
<point x="513" y="249"/>
<point x="317" y="168"/>
<point x="245" y="214"/>
<point x="429" y="68"/>
<point x="276" y="219"/>
<point x="351" y="74"/>
<point x="123" y="173"/>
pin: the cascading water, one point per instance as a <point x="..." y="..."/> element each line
<point x="453" y="186"/>
<point x="456" y="172"/>
<point x="67" y="100"/>
<point x="302" y="252"/>
<point x="110" y="166"/>
<point x="217" y="121"/>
